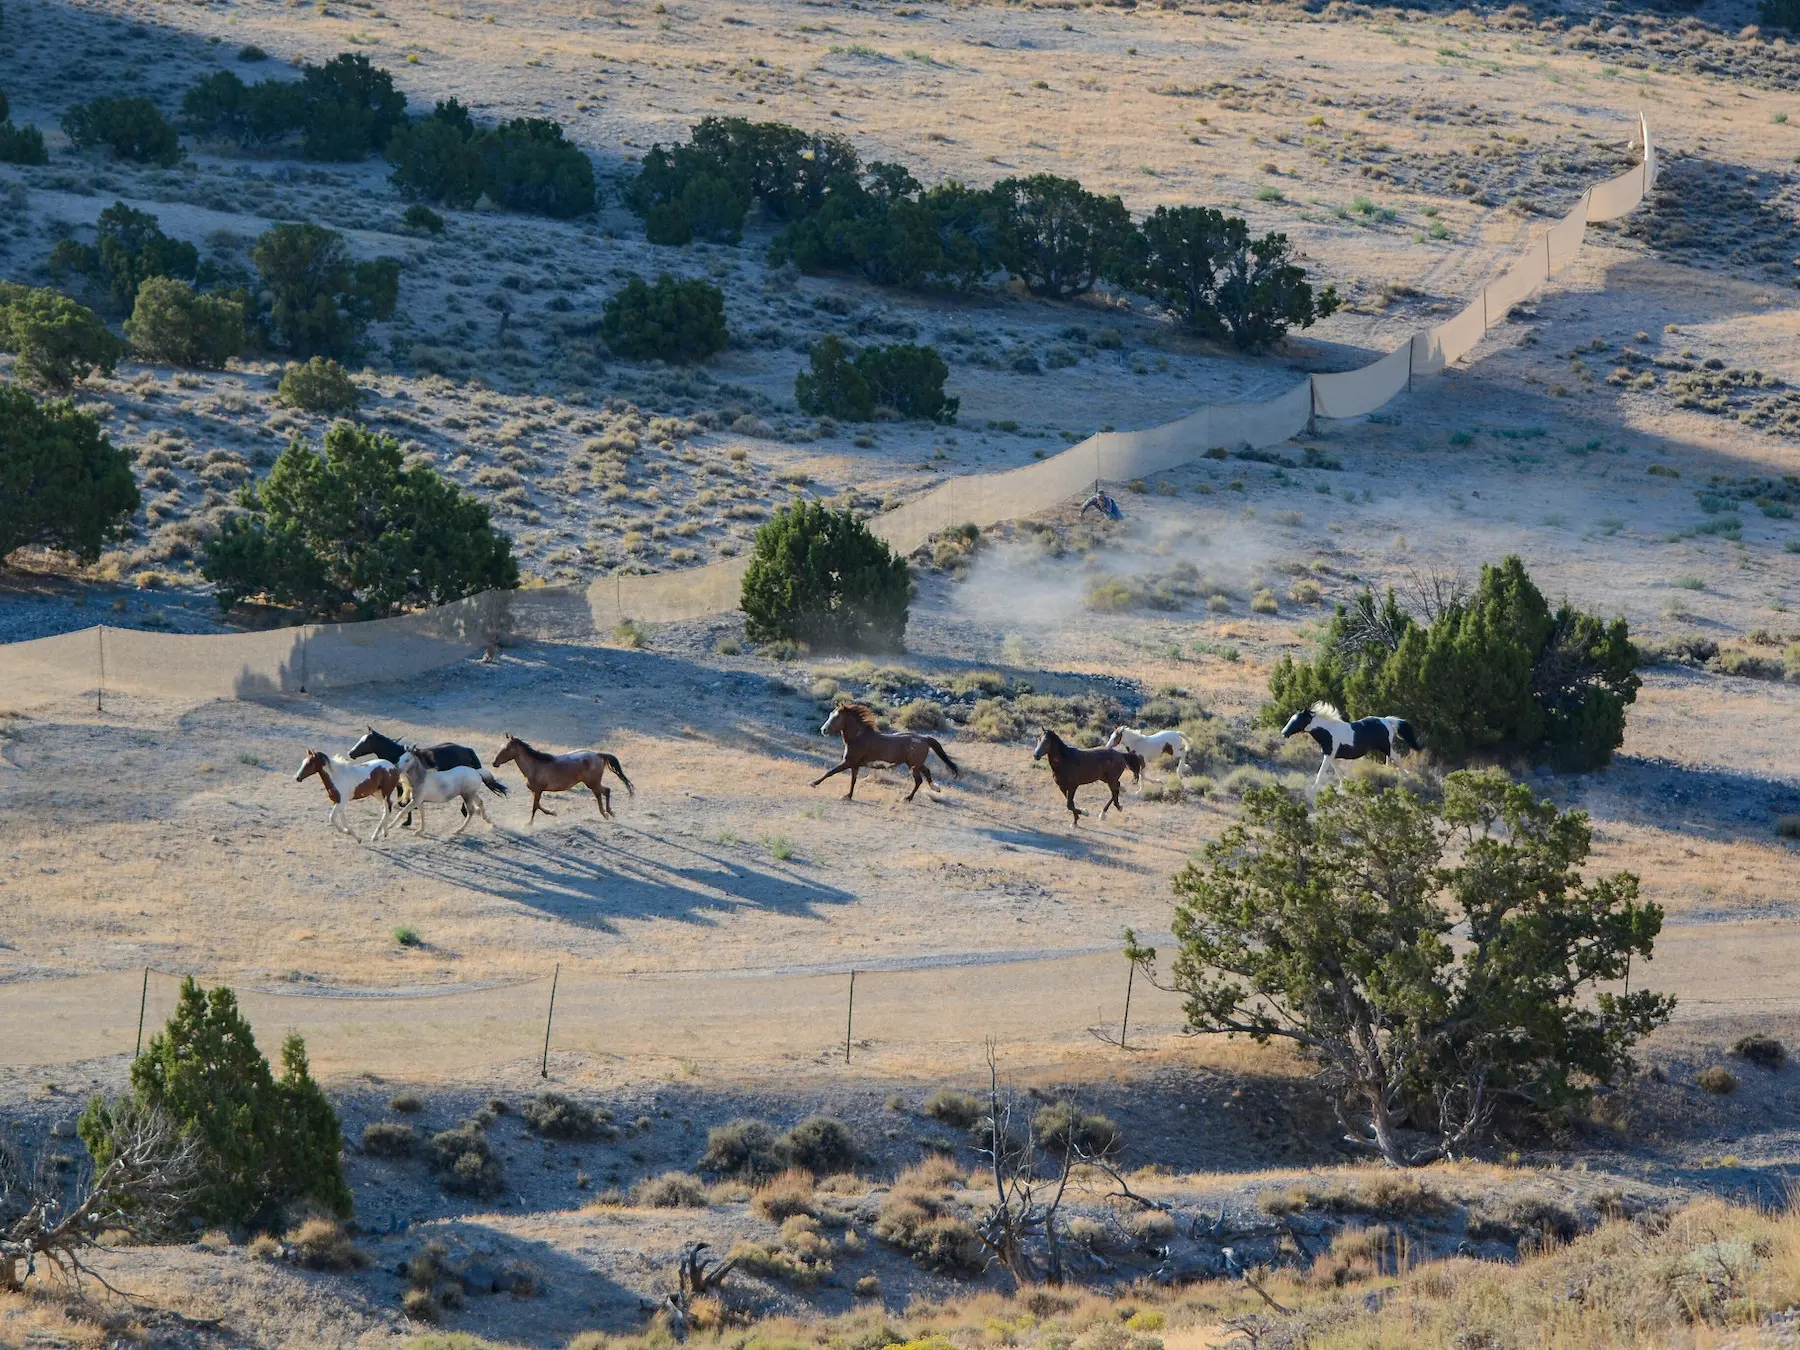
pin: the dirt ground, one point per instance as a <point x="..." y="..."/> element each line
<point x="1603" y="433"/>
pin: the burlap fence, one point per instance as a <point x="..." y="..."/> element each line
<point x="721" y="1019"/>
<point x="329" y="656"/>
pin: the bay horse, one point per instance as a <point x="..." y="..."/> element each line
<point x="1338" y="739"/>
<point x="353" y="782"/>
<point x="865" y="745"/>
<point x="558" y="773"/>
<point x="1073" y="768"/>
<point x="431" y="786"/>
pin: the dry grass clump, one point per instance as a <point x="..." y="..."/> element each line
<point x="556" y="1116"/>
<point x="406" y="1103"/>
<point x="322" y="1244"/>
<point x="1717" y="1079"/>
<point x="783" y="1197"/>
<point x="1384" y="1196"/>
<point x="801" y="1255"/>
<point x="744" y="1147"/>
<point x="922" y="1218"/>
<point x="671" y="1190"/>
<point x="1531" y="1219"/>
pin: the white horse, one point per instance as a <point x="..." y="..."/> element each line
<point x="347" y="781"/>
<point x="432" y="787"/>
<point x="1338" y="739"/>
<point x="1150" y="744"/>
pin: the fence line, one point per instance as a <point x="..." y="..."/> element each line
<point x="711" y="1019"/>
<point x="329" y="656"/>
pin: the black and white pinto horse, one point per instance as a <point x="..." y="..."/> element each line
<point x="1338" y="739"/>
<point x="435" y="757"/>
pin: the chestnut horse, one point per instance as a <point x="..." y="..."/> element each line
<point x="1073" y="768"/>
<point x="558" y="773"/>
<point x="865" y="744"/>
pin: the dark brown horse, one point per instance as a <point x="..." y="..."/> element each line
<point x="558" y="773"/>
<point x="865" y="745"/>
<point x="1073" y="768"/>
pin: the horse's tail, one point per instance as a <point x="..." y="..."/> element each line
<point x="612" y="762"/>
<point x="1136" y="763"/>
<point x="932" y="741"/>
<point x="494" y="785"/>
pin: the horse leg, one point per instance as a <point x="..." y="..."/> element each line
<point x="930" y="782"/>
<point x="1115" y="799"/>
<point x="601" y="793"/>
<point x="480" y="810"/>
<point x="465" y="820"/>
<point x="918" y="778"/>
<point x="1074" y="810"/>
<point x="855" y="769"/>
<point x="836" y="768"/>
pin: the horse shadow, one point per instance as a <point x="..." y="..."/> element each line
<point x="590" y="880"/>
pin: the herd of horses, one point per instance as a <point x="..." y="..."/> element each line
<point x="406" y="778"/>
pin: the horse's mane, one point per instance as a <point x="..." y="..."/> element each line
<point x="862" y="713"/>
<point x="1324" y="709"/>
<point x="528" y="747"/>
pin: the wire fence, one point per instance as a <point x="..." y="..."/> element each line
<point x="325" y="656"/>
<point x="875" y="1017"/>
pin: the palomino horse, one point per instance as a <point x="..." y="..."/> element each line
<point x="353" y="782"/>
<point x="1338" y="739"/>
<point x="431" y="786"/>
<point x="1073" y="768"/>
<point x="866" y="745"/>
<point x="558" y="773"/>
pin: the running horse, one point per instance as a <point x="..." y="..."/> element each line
<point x="558" y="773"/>
<point x="1073" y="768"/>
<point x="353" y="782"/>
<point x="865" y="745"/>
<point x="446" y="755"/>
<point x="1338" y="739"/>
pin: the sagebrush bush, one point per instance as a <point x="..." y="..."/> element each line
<point x="173" y="323"/>
<point x="1063" y="1125"/>
<point x="1498" y="673"/>
<point x="920" y="1217"/>
<point x="1717" y="1079"/>
<point x="419" y="216"/>
<point x="821" y="577"/>
<point x="132" y="128"/>
<point x="265" y="1141"/>
<point x="676" y="321"/>
<point x="822" y="1145"/>
<point x="63" y="484"/>
<point x="958" y="1109"/>
<point x="58" y="342"/>
<point x="671" y="1190"/>
<point x="386" y="1139"/>
<point x="465" y="1162"/>
<point x="1760" y="1049"/>
<point x="319" y="386"/>
<point x="745" y="1148"/>
<point x="561" y="1117"/>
